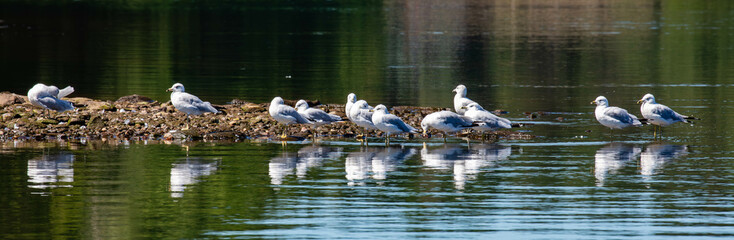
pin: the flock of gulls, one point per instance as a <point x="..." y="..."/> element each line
<point x="468" y="114"/>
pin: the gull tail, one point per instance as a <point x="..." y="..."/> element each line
<point x="66" y="91"/>
<point x="519" y="125"/>
<point x="691" y="118"/>
<point x="643" y="120"/>
<point x="218" y="108"/>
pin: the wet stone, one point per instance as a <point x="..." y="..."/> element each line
<point x="139" y="118"/>
<point x="47" y="121"/>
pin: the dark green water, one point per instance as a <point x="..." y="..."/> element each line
<point x="570" y="181"/>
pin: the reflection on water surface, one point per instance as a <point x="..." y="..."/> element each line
<point x="574" y="180"/>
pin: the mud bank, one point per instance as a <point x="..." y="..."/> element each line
<point x="141" y="118"/>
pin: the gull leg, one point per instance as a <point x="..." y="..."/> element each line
<point x="283" y="135"/>
<point x="187" y="123"/>
<point x="361" y="139"/>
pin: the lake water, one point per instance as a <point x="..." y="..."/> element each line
<point x="574" y="180"/>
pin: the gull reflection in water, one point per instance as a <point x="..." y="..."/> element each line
<point x="375" y="161"/>
<point x="611" y="158"/>
<point x="388" y="160"/>
<point x="301" y="161"/>
<point x="49" y="170"/>
<point x="188" y="172"/>
<point x="655" y="155"/>
<point x="314" y="156"/>
<point x="466" y="162"/>
<point x="358" y="165"/>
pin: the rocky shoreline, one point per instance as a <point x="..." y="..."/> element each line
<point x="141" y="118"/>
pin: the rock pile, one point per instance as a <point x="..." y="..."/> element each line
<point x="139" y="118"/>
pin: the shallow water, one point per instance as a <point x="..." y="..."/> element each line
<point x="338" y="189"/>
<point x="575" y="179"/>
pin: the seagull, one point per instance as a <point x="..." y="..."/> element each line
<point x="447" y="122"/>
<point x="486" y="120"/>
<point x="388" y="123"/>
<point x="460" y="99"/>
<point x="351" y="99"/>
<point x="317" y="116"/>
<point x="188" y="103"/>
<point x="613" y="117"/>
<point x="285" y="114"/>
<point x="361" y="115"/>
<point x="49" y="97"/>
<point x="659" y="114"/>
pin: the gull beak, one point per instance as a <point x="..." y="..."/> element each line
<point x="372" y="110"/>
<point x="464" y="107"/>
<point x="593" y="102"/>
<point x="639" y="101"/>
<point x="453" y="90"/>
<point x="169" y="90"/>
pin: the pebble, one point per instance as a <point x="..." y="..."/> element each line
<point x="139" y="118"/>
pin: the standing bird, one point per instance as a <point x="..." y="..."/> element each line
<point x="285" y="114"/>
<point x="317" y="116"/>
<point x="613" y="117"/>
<point x="188" y="103"/>
<point x="361" y="115"/>
<point x="388" y="123"/>
<point x="351" y="99"/>
<point x="447" y="122"/>
<point x="659" y="114"/>
<point x="460" y="99"/>
<point x="486" y="120"/>
<point x="49" y="97"/>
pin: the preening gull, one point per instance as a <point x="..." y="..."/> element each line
<point x="389" y="123"/>
<point x="317" y="116"/>
<point x="460" y="99"/>
<point x="361" y="115"/>
<point x="285" y="114"/>
<point x="485" y="119"/>
<point x="659" y="114"/>
<point x="188" y="103"/>
<point x="447" y="122"/>
<point x="613" y="117"/>
<point x="49" y="97"/>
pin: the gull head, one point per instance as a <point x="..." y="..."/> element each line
<point x="301" y="105"/>
<point x="380" y="108"/>
<point x="352" y="98"/>
<point x="361" y="104"/>
<point x="460" y="89"/>
<point x="601" y="101"/>
<point x="276" y="101"/>
<point x="178" y="87"/>
<point x="425" y="126"/>
<point x="648" y="98"/>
